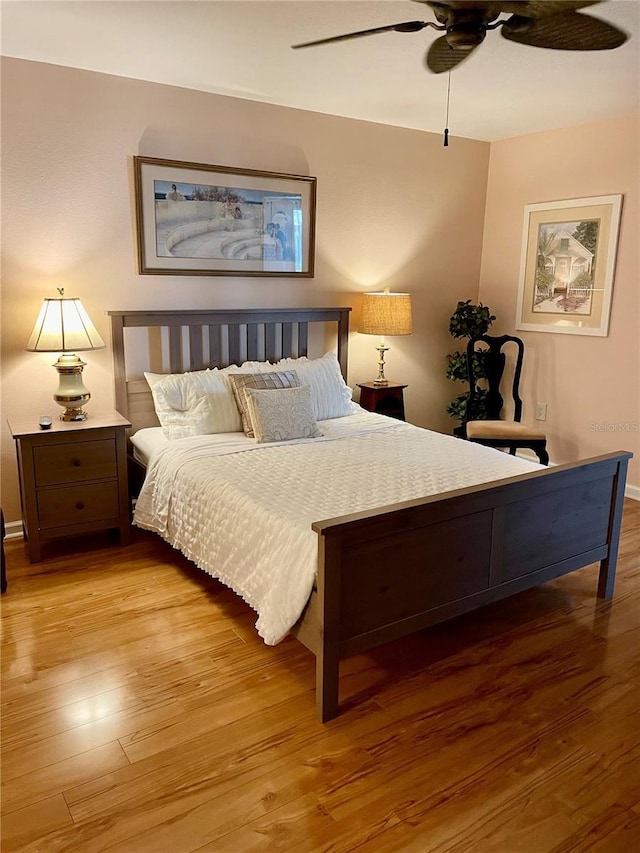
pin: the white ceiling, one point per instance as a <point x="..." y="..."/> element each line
<point x="242" y="48"/>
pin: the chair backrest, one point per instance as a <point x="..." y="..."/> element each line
<point x="493" y="362"/>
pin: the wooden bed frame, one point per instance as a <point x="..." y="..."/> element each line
<point x="398" y="569"/>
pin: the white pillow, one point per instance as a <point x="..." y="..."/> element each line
<point x="330" y="395"/>
<point x="196" y="403"/>
<point x="281" y="414"/>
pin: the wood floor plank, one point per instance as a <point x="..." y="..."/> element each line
<point x="145" y="652"/>
<point x="52" y="713"/>
<point x="100" y="732"/>
<point x="32" y="822"/>
<point x="616" y="830"/>
<point x="141" y="712"/>
<point x="220" y="762"/>
<point x="26" y="701"/>
<point x="233" y="700"/>
<point x="612" y="777"/>
<point x="297" y="822"/>
<point x="36" y="785"/>
<point x="525" y="832"/>
<point x="361" y="831"/>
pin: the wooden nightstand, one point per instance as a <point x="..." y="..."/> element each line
<point x="383" y="399"/>
<point x="73" y="478"/>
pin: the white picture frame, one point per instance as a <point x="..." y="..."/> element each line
<point x="567" y="265"/>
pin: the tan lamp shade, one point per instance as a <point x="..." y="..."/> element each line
<point x="64" y="326"/>
<point x="386" y="314"/>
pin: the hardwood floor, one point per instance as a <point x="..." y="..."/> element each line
<point x="141" y="712"/>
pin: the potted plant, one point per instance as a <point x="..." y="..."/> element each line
<point x="467" y="321"/>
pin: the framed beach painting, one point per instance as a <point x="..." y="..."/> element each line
<point x="195" y="219"/>
<point x="567" y="265"/>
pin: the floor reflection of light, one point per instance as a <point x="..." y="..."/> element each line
<point x="92" y="709"/>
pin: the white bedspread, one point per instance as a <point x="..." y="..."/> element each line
<point x="243" y="512"/>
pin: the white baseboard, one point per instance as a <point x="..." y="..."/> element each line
<point x="13" y="530"/>
<point x="632" y="492"/>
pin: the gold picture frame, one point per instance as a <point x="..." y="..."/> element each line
<point x="198" y="219"/>
<point x="567" y="265"/>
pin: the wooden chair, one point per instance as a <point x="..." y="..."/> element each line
<point x="495" y="432"/>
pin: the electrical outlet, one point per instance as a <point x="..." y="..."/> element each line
<point x="541" y="411"/>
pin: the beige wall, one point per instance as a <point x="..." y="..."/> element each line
<point x="394" y="208"/>
<point x="586" y="381"/>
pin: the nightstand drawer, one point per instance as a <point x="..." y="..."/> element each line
<point x="77" y="505"/>
<point x="74" y="462"/>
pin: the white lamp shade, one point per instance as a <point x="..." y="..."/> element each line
<point x="63" y="326"/>
<point x="386" y="314"/>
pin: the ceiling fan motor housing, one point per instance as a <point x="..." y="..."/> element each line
<point x="466" y="36"/>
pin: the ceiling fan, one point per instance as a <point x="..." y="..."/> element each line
<point x="555" y="24"/>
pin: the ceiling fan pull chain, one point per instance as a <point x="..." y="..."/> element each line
<point x="446" y="130"/>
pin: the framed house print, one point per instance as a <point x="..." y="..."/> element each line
<point x="195" y="219"/>
<point x="567" y="265"/>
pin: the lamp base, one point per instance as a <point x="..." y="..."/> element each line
<point x="71" y="393"/>
<point x="380" y="378"/>
<point x="72" y="414"/>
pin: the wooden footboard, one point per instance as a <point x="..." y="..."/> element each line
<point x="399" y="569"/>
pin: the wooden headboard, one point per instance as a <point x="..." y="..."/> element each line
<point x="197" y="339"/>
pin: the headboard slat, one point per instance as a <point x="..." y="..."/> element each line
<point x="270" y="342"/>
<point x="252" y="342"/>
<point x="215" y="346"/>
<point x="287" y="338"/>
<point x="175" y="349"/>
<point x="196" y="358"/>
<point x="235" y="353"/>
<point x="303" y="338"/>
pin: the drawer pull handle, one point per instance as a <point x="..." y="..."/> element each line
<point x="76" y="463"/>
<point x="79" y="505"/>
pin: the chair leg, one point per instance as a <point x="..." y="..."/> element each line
<point x="541" y="452"/>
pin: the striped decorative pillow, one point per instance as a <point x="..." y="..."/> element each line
<point x="262" y="381"/>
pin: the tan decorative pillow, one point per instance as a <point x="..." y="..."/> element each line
<point x="262" y="381"/>
<point x="281" y="414"/>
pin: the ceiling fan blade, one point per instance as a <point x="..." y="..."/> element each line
<point x="543" y="8"/>
<point x="526" y="8"/>
<point x="565" y="31"/>
<point x="406" y="27"/>
<point x="442" y="57"/>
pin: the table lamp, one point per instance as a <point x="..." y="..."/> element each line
<point x="64" y="326"/>
<point x="383" y="314"/>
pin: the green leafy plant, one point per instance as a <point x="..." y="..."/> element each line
<point x="544" y="285"/>
<point x="467" y="321"/>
